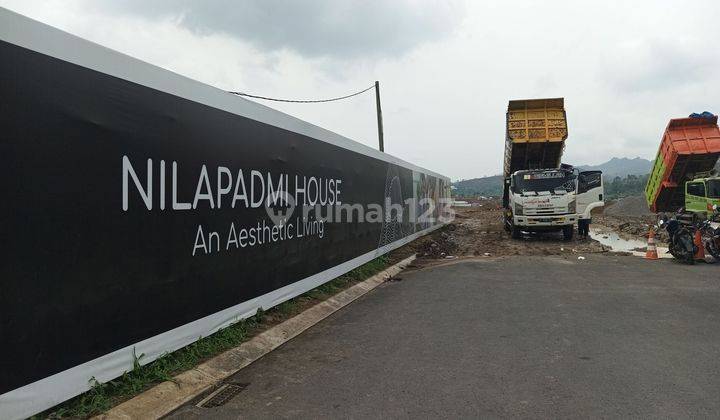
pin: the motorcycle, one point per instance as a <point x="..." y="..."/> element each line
<point x="710" y="233"/>
<point x="680" y="243"/>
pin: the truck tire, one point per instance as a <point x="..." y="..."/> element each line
<point x="567" y="232"/>
<point x="516" y="233"/>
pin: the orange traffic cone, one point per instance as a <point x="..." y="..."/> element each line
<point x="700" y="253"/>
<point x="651" y="253"/>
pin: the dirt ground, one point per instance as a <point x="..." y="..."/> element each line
<point x="478" y="231"/>
<point x="629" y="217"/>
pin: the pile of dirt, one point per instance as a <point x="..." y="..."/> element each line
<point x="440" y="245"/>
<point x="634" y="206"/>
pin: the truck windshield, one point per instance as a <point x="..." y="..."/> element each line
<point x="550" y="181"/>
<point x="713" y="188"/>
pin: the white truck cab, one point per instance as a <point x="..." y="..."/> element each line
<point x="543" y="200"/>
<point x="590" y="193"/>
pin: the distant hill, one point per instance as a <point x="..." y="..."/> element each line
<point x="489" y="186"/>
<point x="621" y="167"/>
<point x="615" y="167"/>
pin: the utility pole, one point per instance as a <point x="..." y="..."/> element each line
<point x="379" y="116"/>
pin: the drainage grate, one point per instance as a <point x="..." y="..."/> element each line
<point x="222" y="395"/>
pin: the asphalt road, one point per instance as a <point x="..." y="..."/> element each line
<point x="512" y="337"/>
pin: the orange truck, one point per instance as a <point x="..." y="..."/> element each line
<point x="682" y="174"/>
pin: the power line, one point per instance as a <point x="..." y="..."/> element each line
<point x="375" y="86"/>
<point x="299" y="101"/>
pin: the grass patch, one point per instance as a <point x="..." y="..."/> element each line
<point x="103" y="396"/>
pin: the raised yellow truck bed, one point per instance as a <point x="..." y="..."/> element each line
<point x="536" y="130"/>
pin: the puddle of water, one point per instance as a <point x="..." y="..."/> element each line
<point x="617" y="244"/>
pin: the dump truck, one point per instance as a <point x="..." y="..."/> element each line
<point x="539" y="193"/>
<point x="682" y="175"/>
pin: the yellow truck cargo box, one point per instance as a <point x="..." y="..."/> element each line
<point x="536" y="130"/>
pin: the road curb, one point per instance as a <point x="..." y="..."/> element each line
<point x="166" y="397"/>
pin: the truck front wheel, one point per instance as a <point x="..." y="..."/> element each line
<point x="567" y="232"/>
<point x="516" y="233"/>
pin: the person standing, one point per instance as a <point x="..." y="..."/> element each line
<point x="583" y="228"/>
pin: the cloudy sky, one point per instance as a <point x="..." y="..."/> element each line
<point x="446" y="68"/>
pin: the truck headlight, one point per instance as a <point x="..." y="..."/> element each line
<point x="572" y="207"/>
<point x="518" y="209"/>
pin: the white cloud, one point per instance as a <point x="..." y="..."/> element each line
<point x="318" y="28"/>
<point x="623" y="68"/>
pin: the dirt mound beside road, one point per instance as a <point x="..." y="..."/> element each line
<point x="440" y="245"/>
<point x="635" y="205"/>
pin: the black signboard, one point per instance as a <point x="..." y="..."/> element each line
<point x="135" y="220"/>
